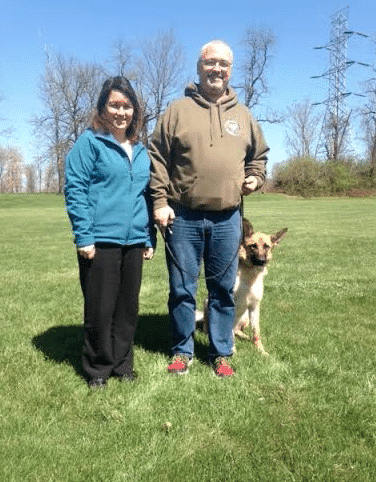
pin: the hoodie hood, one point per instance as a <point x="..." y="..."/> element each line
<point x="192" y="90"/>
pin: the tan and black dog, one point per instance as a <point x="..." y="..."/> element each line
<point x="255" y="253"/>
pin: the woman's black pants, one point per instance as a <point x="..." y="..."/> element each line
<point x="110" y="284"/>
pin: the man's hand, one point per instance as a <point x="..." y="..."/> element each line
<point x="249" y="185"/>
<point x="164" y="217"/>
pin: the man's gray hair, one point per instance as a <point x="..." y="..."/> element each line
<point x="212" y="43"/>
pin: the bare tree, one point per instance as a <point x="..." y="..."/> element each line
<point x="368" y="113"/>
<point x="51" y="182"/>
<point x="122" y="58"/>
<point x="7" y="131"/>
<point x="158" y="75"/>
<point x="258" y="51"/>
<point x="3" y="163"/>
<point x="156" y="69"/>
<point x="12" y="176"/>
<point x="368" y="116"/>
<point x="31" y="178"/>
<point x="69" y="90"/>
<point x="39" y="163"/>
<point x="303" y="125"/>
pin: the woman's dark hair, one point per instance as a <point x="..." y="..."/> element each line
<point x="122" y="85"/>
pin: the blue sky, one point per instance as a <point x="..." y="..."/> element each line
<point x="86" y="29"/>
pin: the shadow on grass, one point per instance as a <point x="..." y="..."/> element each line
<point x="154" y="334"/>
<point x="63" y="344"/>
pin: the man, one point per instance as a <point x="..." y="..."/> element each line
<point x="207" y="150"/>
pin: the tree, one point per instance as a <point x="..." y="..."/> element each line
<point x="122" y="58"/>
<point x="303" y="125"/>
<point x="158" y="75"/>
<point x="3" y="162"/>
<point x="258" y="51"/>
<point x="4" y="132"/>
<point x="31" y="178"/>
<point x="69" y="91"/>
<point x="155" y="68"/>
<point x="39" y="165"/>
<point x="11" y="179"/>
<point x="51" y="183"/>
<point x="369" y="124"/>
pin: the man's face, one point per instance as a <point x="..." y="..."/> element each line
<point x="214" y="70"/>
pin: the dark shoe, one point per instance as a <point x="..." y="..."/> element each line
<point x="179" y="365"/>
<point x="129" y="377"/>
<point x="97" y="383"/>
<point x="222" y="368"/>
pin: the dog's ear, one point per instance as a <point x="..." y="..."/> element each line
<point x="247" y="228"/>
<point x="277" y="238"/>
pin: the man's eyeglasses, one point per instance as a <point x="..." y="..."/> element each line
<point x="213" y="62"/>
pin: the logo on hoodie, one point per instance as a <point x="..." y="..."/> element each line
<point x="232" y="127"/>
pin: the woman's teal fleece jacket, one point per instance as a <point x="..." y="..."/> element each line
<point x="106" y="194"/>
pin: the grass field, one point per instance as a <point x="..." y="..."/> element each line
<point x="307" y="413"/>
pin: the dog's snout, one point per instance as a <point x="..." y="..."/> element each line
<point x="258" y="261"/>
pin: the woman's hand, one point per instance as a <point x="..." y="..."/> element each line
<point x="148" y="253"/>
<point x="87" y="252"/>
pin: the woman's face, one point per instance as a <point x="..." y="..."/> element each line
<point x="118" y="112"/>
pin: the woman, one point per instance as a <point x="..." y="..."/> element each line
<point x="106" y="191"/>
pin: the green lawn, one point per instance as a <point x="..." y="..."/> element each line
<point x="306" y="413"/>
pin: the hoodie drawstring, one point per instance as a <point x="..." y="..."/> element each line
<point x="211" y="125"/>
<point x="220" y="119"/>
<point x="219" y="110"/>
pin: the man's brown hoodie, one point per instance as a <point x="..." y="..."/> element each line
<point x="201" y="153"/>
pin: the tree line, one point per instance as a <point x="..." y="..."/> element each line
<point x="69" y="88"/>
<point x="156" y="67"/>
<point x="306" y="173"/>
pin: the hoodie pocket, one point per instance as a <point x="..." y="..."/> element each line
<point x="207" y="193"/>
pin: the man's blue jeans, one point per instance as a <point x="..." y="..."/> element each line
<point x="212" y="237"/>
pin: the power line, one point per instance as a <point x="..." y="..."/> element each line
<point x="335" y="127"/>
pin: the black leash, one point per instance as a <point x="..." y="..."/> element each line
<point x="221" y="273"/>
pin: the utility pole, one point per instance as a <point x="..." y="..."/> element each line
<point x="335" y="127"/>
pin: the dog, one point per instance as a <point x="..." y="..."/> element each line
<point x="255" y="253"/>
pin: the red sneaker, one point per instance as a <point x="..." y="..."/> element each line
<point x="221" y="368"/>
<point x="179" y="365"/>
